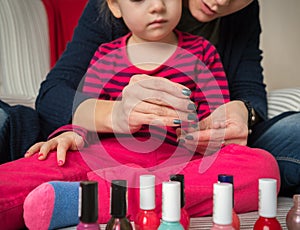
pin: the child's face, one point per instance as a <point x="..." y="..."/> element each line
<point x="149" y="20"/>
<point x="208" y="10"/>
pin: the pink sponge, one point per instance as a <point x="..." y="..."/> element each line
<point x="40" y="201"/>
<point x="52" y="205"/>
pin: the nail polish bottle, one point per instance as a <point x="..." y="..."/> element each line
<point x="267" y="205"/>
<point x="170" y="206"/>
<point x="293" y="215"/>
<point x="222" y="206"/>
<point x="118" y="207"/>
<point x="184" y="217"/>
<point x="147" y="218"/>
<point x="88" y="206"/>
<point x="225" y="178"/>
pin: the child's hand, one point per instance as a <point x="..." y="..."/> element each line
<point x="62" y="143"/>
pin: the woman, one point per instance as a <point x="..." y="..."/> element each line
<point x="165" y="158"/>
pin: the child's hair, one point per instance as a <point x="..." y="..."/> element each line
<point x="104" y="10"/>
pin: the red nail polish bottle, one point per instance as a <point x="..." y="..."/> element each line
<point x="225" y="178"/>
<point x="147" y="218"/>
<point x="293" y="216"/>
<point x="267" y="205"/>
<point x="184" y="217"/>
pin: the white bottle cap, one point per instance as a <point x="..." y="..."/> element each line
<point x="171" y="201"/>
<point x="222" y="209"/>
<point x="267" y="197"/>
<point x="147" y="192"/>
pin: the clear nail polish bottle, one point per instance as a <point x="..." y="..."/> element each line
<point x="293" y="215"/>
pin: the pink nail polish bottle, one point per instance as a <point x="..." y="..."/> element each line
<point x="184" y="218"/>
<point x="225" y="178"/>
<point x="222" y="209"/>
<point x="293" y="216"/>
<point x="88" y="206"/>
<point x="267" y="205"/>
<point x="147" y="218"/>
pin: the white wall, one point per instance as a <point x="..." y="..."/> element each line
<point x="280" y="42"/>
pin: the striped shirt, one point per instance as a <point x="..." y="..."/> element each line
<point x="195" y="64"/>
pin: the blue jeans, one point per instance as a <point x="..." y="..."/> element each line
<point x="4" y="130"/>
<point x="281" y="137"/>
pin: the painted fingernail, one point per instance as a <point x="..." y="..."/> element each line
<point x="177" y="121"/>
<point x="192" y="117"/>
<point x="181" y="141"/>
<point x="194" y="125"/>
<point x="60" y="162"/>
<point x="186" y="92"/>
<point x="191" y="106"/>
<point x="189" y="137"/>
<point x="40" y="155"/>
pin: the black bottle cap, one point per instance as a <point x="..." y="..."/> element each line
<point x="179" y="178"/>
<point x="118" y="198"/>
<point x="88" y="201"/>
<point x="225" y="178"/>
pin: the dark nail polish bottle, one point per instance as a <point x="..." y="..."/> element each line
<point x="118" y="207"/>
<point x="88" y="206"/>
<point x="184" y="217"/>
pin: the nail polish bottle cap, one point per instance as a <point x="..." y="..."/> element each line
<point x="88" y="201"/>
<point x="267" y="197"/>
<point x="225" y="178"/>
<point x="147" y="192"/>
<point x="222" y="209"/>
<point x="171" y="201"/>
<point x="118" y="201"/>
<point x="180" y="178"/>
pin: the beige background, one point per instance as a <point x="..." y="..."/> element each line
<point x="280" y="42"/>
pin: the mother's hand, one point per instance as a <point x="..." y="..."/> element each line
<point x="226" y="125"/>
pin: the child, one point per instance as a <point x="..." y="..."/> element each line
<point x="139" y="133"/>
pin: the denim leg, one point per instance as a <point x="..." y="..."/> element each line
<point x="4" y="142"/>
<point x="282" y="139"/>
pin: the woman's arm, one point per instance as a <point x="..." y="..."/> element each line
<point x="242" y="57"/>
<point x="55" y="102"/>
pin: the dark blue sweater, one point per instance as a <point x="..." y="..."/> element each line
<point x="238" y="46"/>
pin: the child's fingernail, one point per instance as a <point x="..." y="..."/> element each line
<point x="186" y="92"/>
<point x="60" y="162"/>
<point x="40" y="155"/>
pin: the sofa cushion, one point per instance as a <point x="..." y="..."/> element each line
<point x="283" y="100"/>
<point x="24" y="50"/>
